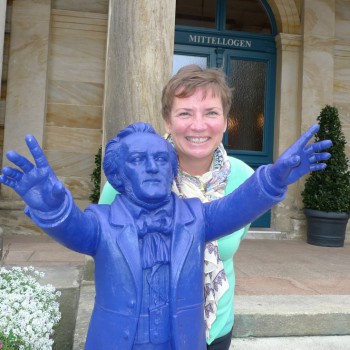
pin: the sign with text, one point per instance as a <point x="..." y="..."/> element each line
<point x="217" y="40"/>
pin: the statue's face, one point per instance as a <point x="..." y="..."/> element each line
<point x="147" y="168"/>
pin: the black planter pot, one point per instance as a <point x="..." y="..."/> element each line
<point x="326" y="229"/>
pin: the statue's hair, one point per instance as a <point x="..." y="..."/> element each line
<point x="113" y="166"/>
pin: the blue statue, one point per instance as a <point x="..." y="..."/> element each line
<point x="148" y="244"/>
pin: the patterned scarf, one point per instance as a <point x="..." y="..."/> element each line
<point x="208" y="187"/>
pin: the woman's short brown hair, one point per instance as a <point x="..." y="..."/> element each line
<point x="185" y="82"/>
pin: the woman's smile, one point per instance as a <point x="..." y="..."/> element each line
<point x="197" y="124"/>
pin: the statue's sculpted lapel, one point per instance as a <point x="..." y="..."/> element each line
<point x="127" y="238"/>
<point x="181" y="240"/>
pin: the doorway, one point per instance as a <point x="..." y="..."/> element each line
<point x="237" y="36"/>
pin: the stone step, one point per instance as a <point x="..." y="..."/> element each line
<point x="85" y="306"/>
<point x="292" y="315"/>
<point x="289" y="319"/>
<point x="67" y="280"/>
<point x="292" y="343"/>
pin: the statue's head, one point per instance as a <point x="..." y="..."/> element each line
<point x="141" y="164"/>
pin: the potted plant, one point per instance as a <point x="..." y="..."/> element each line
<point x="326" y="195"/>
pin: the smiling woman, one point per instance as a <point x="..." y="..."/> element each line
<point x="196" y="103"/>
<point x="197" y="124"/>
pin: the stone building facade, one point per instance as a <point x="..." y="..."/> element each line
<point x="73" y="72"/>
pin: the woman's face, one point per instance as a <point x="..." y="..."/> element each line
<point x="197" y="125"/>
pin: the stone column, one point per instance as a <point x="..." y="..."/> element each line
<point x="315" y="86"/>
<point x="139" y="57"/>
<point x="27" y="76"/>
<point x="2" y="33"/>
<point x="317" y="58"/>
<point x="287" y="123"/>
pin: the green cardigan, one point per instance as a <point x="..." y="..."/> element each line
<point x="228" y="246"/>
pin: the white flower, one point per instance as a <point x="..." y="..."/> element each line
<point x="27" y="309"/>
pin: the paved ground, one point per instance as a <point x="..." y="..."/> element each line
<point x="24" y="250"/>
<point x="263" y="267"/>
<point x="284" y="267"/>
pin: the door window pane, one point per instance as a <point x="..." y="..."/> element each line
<point x="246" y="117"/>
<point x="247" y="16"/>
<point x="183" y="60"/>
<point x="196" y="13"/>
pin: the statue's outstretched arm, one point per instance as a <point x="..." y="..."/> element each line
<point x="266" y="187"/>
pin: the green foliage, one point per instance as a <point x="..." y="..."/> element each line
<point x="329" y="189"/>
<point x="96" y="177"/>
<point x="11" y="342"/>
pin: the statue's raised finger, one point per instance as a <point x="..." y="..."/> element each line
<point x="12" y="173"/>
<point x="308" y="135"/>
<point x="20" y="161"/>
<point x="36" y="151"/>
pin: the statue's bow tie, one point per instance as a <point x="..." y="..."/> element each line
<point x="153" y="229"/>
<point x="159" y="221"/>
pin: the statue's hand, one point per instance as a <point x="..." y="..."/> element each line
<point x="36" y="184"/>
<point x="299" y="159"/>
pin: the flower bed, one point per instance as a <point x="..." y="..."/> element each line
<point x="29" y="311"/>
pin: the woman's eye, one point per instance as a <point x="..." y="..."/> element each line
<point x="212" y="114"/>
<point x="184" y="115"/>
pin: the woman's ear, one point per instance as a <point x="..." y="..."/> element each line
<point x="168" y="127"/>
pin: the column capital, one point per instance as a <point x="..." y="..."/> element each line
<point x="285" y="41"/>
<point x="313" y="41"/>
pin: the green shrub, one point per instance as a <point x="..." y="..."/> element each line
<point x="96" y="177"/>
<point x="329" y="189"/>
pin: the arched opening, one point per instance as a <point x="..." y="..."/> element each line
<point x="239" y="37"/>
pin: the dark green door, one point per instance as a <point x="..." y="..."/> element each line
<point x="239" y="37"/>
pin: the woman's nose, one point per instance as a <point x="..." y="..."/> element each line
<point x="198" y="123"/>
